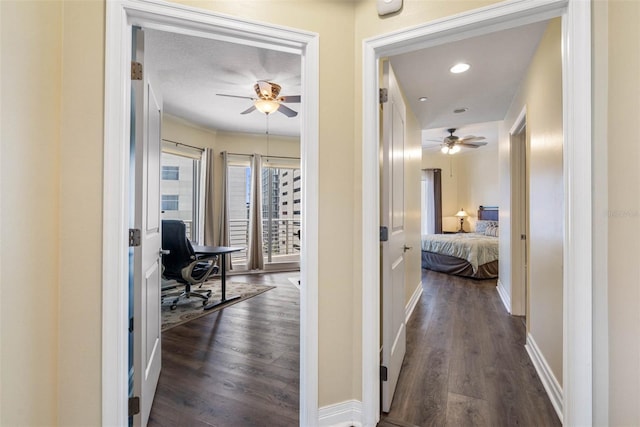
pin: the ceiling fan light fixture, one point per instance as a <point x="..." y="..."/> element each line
<point x="459" y="68"/>
<point x="447" y="149"/>
<point x="266" y="106"/>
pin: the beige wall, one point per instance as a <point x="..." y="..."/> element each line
<point x="468" y="181"/>
<point x="51" y="356"/>
<point x="81" y="155"/>
<point x="449" y="176"/>
<point x="541" y="93"/>
<point x="478" y="183"/>
<point x="30" y="198"/>
<point x="624" y="212"/>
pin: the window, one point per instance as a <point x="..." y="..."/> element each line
<point x="170" y="173"/>
<point x="280" y="225"/>
<point x="296" y="190"/>
<point x="180" y="187"/>
<point x="170" y="202"/>
<point x="239" y="183"/>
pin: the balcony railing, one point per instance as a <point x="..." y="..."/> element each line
<point x="285" y="243"/>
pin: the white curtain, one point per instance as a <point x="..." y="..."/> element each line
<point x="255" y="258"/>
<point x="223" y="234"/>
<point x="428" y="207"/>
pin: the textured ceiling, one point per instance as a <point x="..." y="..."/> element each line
<point x="192" y="70"/>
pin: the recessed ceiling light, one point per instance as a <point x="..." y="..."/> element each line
<point x="422" y="98"/>
<point x="459" y="68"/>
<point x="460" y="110"/>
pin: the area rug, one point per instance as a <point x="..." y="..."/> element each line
<point x="191" y="308"/>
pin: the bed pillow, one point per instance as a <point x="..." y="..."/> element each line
<point x="491" y="230"/>
<point x="482" y="224"/>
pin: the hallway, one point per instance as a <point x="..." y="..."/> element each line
<point x="466" y="363"/>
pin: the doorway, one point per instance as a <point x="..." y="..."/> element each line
<point x="577" y="276"/>
<point x="520" y="217"/>
<point x="180" y="19"/>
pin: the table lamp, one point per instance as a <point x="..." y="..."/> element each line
<point x="462" y="215"/>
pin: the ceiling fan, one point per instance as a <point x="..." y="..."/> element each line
<point x="268" y="99"/>
<point x="451" y="144"/>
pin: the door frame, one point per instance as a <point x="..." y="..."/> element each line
<point x="121" y="15"/>
<point x="577" y="169"/>
<point x="519" y="218"/>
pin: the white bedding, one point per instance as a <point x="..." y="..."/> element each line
<point x="477" y="249"/>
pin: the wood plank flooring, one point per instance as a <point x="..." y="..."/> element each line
<point x="236" y="367"/>
<point x="466" y="364"/>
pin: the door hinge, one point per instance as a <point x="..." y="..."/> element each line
<point x="384" y="234"/>
<point x="383" y="373"/>
<point x="523" y="237"/>
<point x="134" y="237"/>
<point x="136" y="70"/>
<point x="384" y="95"/>
<point x="130" y="324"/>
<point x="134" y="406"/>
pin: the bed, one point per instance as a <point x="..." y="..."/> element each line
<point x="472" y="255"/>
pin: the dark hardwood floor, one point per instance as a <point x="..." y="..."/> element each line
<point x="238" y="366"/>
<point x="466" y="364"/>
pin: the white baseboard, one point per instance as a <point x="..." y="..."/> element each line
<point x="413" y="301"/>
<point x="549" y="381"/>
<point x="504" y="296"/>
<point x="344" y="414"/>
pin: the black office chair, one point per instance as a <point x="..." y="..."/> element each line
<point x="181" y="265"/>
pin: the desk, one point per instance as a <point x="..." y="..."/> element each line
<point x="222" y="251"/>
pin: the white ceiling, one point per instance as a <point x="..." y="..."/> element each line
<point x="192" y="70"/>
<point x="498" y="64"/>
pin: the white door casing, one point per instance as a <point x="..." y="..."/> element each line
<point x="392" y="250"/>
<point x="121" y="16"/>
<point x="147" y="258"/>
<point x="579" y="231"/>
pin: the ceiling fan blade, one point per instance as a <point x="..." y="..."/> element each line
<point x="235" y="96"/>
<point x="249" y="110"/>
<point x="287" y="111"/>
<point x="472" y="138"/>
<point x="472" y="145"/>
<point x="291" y="98"/>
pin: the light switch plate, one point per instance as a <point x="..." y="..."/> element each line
<point x="386" y="7"/>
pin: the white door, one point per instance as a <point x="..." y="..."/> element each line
<point x="147" y="259"/>
<point x="392" y="250"/>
